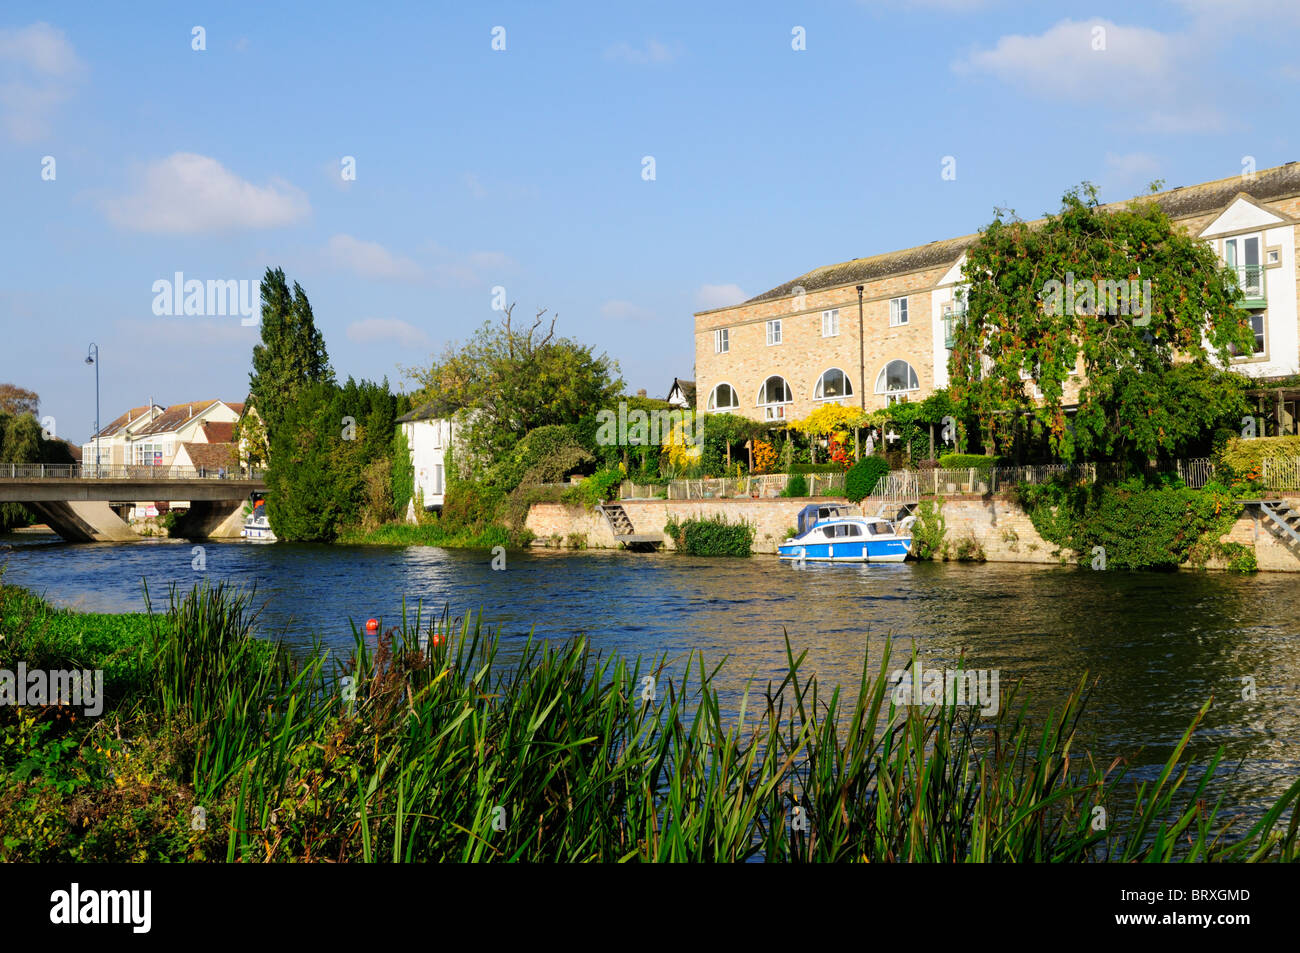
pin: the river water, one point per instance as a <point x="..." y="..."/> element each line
<point x="1159" y="644"/>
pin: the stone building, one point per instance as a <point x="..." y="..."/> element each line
<point x="782" y="354"/>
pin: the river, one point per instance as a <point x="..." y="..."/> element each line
<point x="1160" y="644"/>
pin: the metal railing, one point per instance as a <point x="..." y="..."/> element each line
<point x="1281" y="474"/>
<point x="64" y="471"/>
<point x="1250" y="278"/>
<point x="760" y="486"/>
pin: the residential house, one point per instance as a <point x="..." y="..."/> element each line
<point x="682" y="394"/>
<point x="802" y="344"/>
<point x="110" y="446"/>
<point x="428" y="437"/>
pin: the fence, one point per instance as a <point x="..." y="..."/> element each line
<point x="1281" y="474"/>
<point x="65" y="471"/>
<point x="904" y="486"/>
<point x="762" y="486"/>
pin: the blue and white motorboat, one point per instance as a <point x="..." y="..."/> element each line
<point x="830" y="533"/>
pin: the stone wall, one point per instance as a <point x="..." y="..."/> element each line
<point x="1000" y="528"/>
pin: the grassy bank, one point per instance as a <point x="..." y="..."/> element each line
<point x="423" y="745"/>
<point x="432" y="534"/>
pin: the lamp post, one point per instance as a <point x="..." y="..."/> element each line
<point x="92" y="357"/>
<point x="862" y="363"/>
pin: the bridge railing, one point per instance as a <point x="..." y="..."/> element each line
<point x="64" y="471"/>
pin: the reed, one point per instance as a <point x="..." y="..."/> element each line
<point x="431" y="742"/>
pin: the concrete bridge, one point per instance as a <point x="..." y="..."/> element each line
<point x="77" y="502"/>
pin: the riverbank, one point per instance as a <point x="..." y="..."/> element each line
<point x="994" y="528"/>
<point x="423" y="745"/>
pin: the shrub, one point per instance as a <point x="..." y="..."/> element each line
<point x="796" y="486"/>
<point x="1177" y="524"/>
<point x="1240" y="457"/>
<point x="968" y="550"/>
<point x="929" y="532"/>
<point x="863" y="477"/>
<point x="601" y="487"/>
<point x="714" y="536"/>
<point x="964" y="461"/>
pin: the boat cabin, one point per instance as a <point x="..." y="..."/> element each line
<point x="810" y="516"/>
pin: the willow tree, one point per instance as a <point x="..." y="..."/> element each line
<point x="1122" y="303"/>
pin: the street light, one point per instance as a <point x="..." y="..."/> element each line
<point x="94" y="348"/>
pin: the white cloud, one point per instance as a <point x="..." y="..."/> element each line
<point x="617" y="310"/>
<point x="187" y="194"/>
<point x="469" y="270"/>
<point x="370" y="259"/>
<point x="386" y="329"/>
<point x="1065" y="63"/>
<point x="708" y="297"/>
<point x="38" y="70"/>
<point x="652" y="52"/>
<point x="1130" y="165"/>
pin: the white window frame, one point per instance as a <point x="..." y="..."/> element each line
<point x="773" y="332"/>
<point x="774" y="410"/>
<point x="1261" y="339"/>
<point x="882" y="379"/>
<point x="819" y="386"/>
<point x="713" y="397"/>
<point x="721" y="341"/>
<point x="831" y="323"/>
<point x="898" y="315"/>
<point x="1238" y="245"/>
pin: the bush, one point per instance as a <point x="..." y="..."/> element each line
<point x="1240" y="457"/>
<point x="863" y="477"/>
<point x="796" y="486"/>
<point x="929" y="532"/>
<point x="965" y="461"/>
<point x="601" y="487"/>
<point x="1178" y="524"/>
<point x="712" y="537"/>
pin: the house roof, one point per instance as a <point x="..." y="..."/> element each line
<point x="426" y="411"/>
<point x="218" y="431"/>
<point x="687" y="389"/>
<point x="211" y="456"/>
<point x="126" y="418"/>
<point x="1185" y="202"/>
<point x="174" y="416"/>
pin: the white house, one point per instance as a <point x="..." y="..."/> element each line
<point x="428" y="436"/>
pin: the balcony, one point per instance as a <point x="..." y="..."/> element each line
<point x="950" y="322"/>
<point x="1251" y="280"/>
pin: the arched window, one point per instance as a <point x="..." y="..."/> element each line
<point x="724" y="397"/>
<point x="834" y="384"/>
<point x="773" y="396"/>
<point x="897" y="377"/>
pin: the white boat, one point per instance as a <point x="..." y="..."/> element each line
<point x="256" y="525"/>
<point x="829" y="534"/>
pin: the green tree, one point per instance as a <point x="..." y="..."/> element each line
<point x="292" y="354"/>
<point x="514" y="381"/>
<point x="1044" y="299"/>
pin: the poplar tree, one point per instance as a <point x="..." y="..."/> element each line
<point x="292" y="353"/>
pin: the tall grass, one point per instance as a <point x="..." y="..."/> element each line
<point x="427" y="743"/>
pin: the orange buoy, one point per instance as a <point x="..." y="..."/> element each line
<point x="372" y="625"/>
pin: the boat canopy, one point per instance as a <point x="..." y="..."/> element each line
<point x="811" y="515"/>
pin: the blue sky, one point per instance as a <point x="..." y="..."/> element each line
<point x="522" y="168"/>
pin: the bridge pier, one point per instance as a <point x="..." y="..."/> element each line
<point x="211" y="519"/>
<point x="84" y="521"/>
